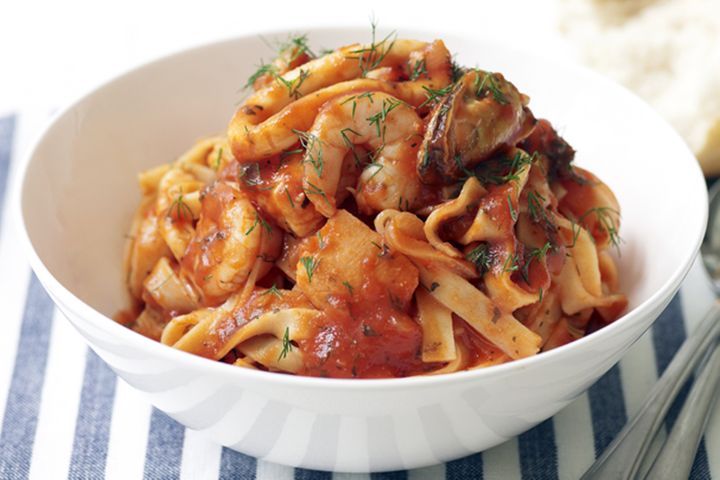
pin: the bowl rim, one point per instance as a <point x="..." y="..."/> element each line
<point x="70" y="301"/>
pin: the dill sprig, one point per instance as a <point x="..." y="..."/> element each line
<point x="461" y="166"/>
<point x="350" y="144"/>
<point x="503" y="169"/>
<point x="604" y="216"/>
<point x="310" y="264"/>
<point x="480" y="256"/>
<point x="308" y="141"/>
<point x="371" y="57"/>
<point x="315" y="190"/>
<point x="287" y="153"/>
<point x="536" y="208"/>
<point x="534" y="254"/>
<point x="298" y="44"/>
<point x="378" y="120"/>
<point x="511" y="208"/>
<point x="182" y="212"/>
<point x="511" y="263"/>
<point x="355" y="98"/>
<point x="293" y="86"/>
<point x="488" y="84"/>
<point x="349" y="287"/>
<point x="286" y="344"/>
<point x="259" y="221"/>
<point x="419" y="69"/>
<point x="434" y="95"/>
<point x="262" y="70"/>
<point x="272" y="291"/>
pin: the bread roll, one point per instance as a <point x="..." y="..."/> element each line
<point x="667" y="51"/>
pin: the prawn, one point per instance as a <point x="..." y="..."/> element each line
<point x="265" y="124"/>
<point x="284" y="197"/>
<point x="231" y="241"/>
<point x="389" y="128"/>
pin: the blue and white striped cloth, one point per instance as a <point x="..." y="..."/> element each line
<point x="65" y="414"/>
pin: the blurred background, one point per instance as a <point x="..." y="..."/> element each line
<point x="668" y="51"/>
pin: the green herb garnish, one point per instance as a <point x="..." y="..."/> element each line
<point x="534" y="254"/>
<point x="370" y="58"/>
<point x="434" y="95"/>
<point x="480" y="256"/>
<point x="418" y="69"/>
<point x="309" y="141"/>
<point x="272" y="291"/>
<point x="286" y="344"/>
<point x="607" y="223"/>
<point x="378" y="120"/>
<point x="536" y="208"/>
<point x="315" y="190"/>
<point x="182" y="212"/>
<point x="259" y="221"/>
<point x="310" y="264"/>
<point x="488" y="83"/>
<point x="511" y="207"/>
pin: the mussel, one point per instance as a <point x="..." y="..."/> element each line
<point x="481" y="114"/>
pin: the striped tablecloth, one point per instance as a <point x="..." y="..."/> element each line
<point x="65" y="414"/>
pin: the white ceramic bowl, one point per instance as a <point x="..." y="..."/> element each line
<point x="79" y="191"/>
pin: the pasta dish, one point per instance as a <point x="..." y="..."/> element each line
<point x="374" y="211"/>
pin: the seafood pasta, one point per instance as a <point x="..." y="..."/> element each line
<point x="374" y="211"/>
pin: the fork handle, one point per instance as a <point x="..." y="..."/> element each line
<point x="623" y="457"/>
<point x="676" y="458"/>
